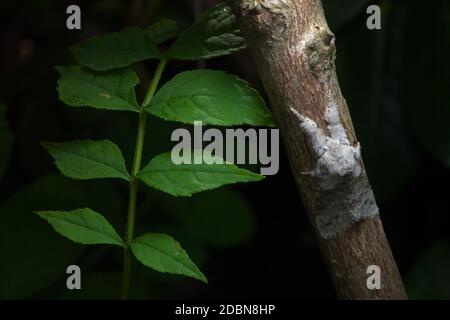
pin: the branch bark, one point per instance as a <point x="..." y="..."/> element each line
<point x="294" y="52"/>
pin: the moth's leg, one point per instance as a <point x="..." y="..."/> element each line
<point x="357" y="150"/>
<point x="316" y="136"/>
<point x="337" y="131"/>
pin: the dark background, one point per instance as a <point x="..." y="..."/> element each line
<point x="252" y="240"/>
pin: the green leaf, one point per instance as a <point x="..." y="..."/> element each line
<point x="163" y="253"/>
<point x="6" y="140"/>
<point x="213" y="97"/>
<point x="113" y="90"/>
<point x="116" y="50"/>
<point x="82" y="226"/>
<point x="186" y="179"/>
<point x="88" y="159"/>
<point x="26" y="241"/>
<point x="164" y="30"/>
<point x="214" y="34"/>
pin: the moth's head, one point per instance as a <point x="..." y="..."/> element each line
<point x="339" y="164"/>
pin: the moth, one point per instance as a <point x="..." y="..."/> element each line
<point x="343" y="195"/>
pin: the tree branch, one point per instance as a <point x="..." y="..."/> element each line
<point x="294" y="51"/>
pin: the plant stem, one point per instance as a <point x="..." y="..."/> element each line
<point x="133" y="180"/>
<point x="154" y="84"/>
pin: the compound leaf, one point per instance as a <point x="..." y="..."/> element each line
<point x="113" y="90"/>
<point x="116" y="50"/>
<point x="164" y="254"/>
<point x="214" y="34"/>
<point x="164" y="30"/>
<point x="82" y="226"/>
<point x="213" y="97"/>
<point x="186" y="179"/>
<point x="88" y="159"/>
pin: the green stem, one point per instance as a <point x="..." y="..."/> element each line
<point x="134" y="181"/>
<point x="154" y="85"/>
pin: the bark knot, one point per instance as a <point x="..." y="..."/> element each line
<point x="319" y="48"/>
<point x="269" y="19"/>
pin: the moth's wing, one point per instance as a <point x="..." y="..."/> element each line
<point x="331" y="213"/>
<point x="362" y="204"/>
<point x="338" y="209"/>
